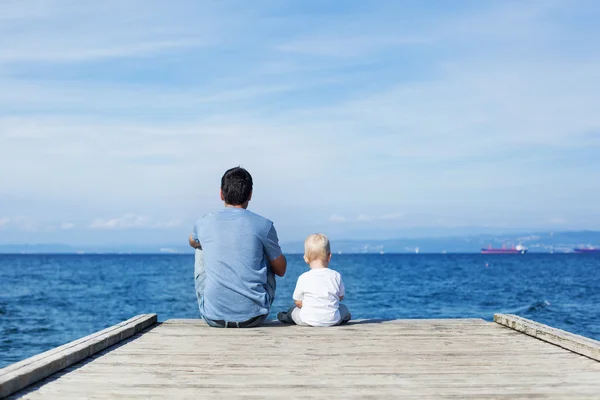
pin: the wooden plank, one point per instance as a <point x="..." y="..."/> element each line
<point x="567" y="340"/>
<point x="24" y="373"/>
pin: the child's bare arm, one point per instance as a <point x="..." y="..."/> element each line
<point x="298" y="303"/>
<point x="341" y="298"/>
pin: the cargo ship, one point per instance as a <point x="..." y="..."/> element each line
<point x="586" y="250"/>
<point x="513" y="250"/>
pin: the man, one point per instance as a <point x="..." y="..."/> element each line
<point x="237" y="256"/>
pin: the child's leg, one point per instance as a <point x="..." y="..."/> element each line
<point x="344" y="313"/>
<point x="286" y="316"/>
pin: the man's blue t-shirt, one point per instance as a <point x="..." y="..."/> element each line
<point x="236" y="245"/>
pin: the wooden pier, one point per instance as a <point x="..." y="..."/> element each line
<point x="451" y="358"/>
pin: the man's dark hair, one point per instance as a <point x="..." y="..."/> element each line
<point x="236" y="185"/>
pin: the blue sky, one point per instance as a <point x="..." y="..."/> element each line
<point x="359" y="119"/>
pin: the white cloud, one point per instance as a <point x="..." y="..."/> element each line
<point x="125" y="222"/>
<point x="67" y="225"/>
<point x="59" y="32"/>
<point x="392" y="216"/>
<point x="337" y="218"/>
<point x="79" y="54"/>
<point x="130" y="221"/>
<point x="24" y="223"/>
<point x="350" y="45"/>
<point x="20" y="223"/>
<point x="173" y="223"/>
<point x="369" y="218"/>
<point x="558" y="221"/>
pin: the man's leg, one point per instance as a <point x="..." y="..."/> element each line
<point x="258" y="321"/>
<point x="199" y="277"/>
<point x="345" y="314"/>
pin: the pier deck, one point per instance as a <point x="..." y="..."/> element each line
<point x="452" y="358"/>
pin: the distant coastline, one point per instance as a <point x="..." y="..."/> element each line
<point x="537" y="242"/>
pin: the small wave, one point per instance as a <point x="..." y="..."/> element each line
<point x="538" y="305"/>
<point x="533" y="307"/>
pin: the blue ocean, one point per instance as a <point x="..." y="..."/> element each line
<point x="48" y="300"/>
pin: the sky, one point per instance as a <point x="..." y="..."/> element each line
<point x="357" y="119"/>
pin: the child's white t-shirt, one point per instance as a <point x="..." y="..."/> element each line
<point x="320" y="290"/>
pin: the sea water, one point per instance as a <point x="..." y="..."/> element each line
<point x="49" y="300"/>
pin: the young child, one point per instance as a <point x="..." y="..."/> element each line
<point x="318" y="291"/>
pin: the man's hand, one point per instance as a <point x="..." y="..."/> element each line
<point x="298" y="303"/>
<point x="194" y="243"/>
<point x="279" y="265"/>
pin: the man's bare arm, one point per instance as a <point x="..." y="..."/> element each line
<point x="194" y="243"/>
<point x="279" y="265"/>
<point x="298" y="303"/>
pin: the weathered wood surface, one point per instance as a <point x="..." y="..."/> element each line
<point x="567" y="340"/>
<point x="22" y="374"/>
<point x="400" y="359"/>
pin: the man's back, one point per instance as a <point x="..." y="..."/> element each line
<point x="237" y="245"/>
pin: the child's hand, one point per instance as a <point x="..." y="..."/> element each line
<point x="298" y="303"/>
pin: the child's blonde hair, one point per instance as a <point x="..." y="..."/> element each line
<point x="316" y="247"/>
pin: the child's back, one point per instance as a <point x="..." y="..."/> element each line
<point x="320" y="290"/>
